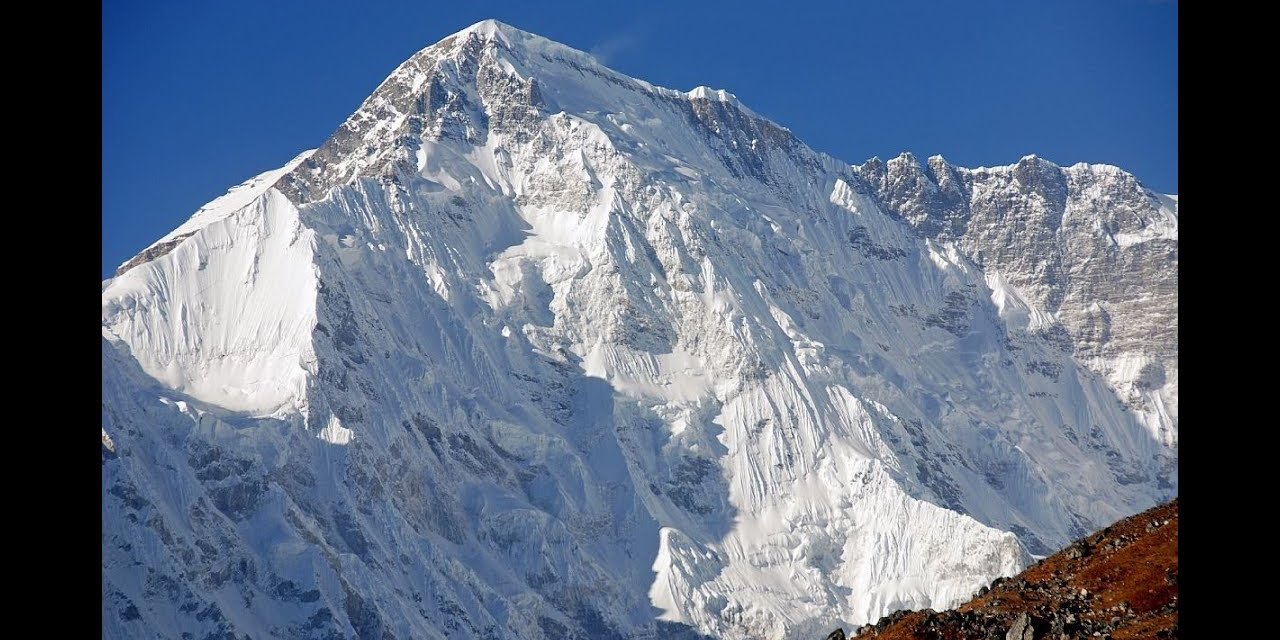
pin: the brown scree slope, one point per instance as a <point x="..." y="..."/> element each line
<point x="1120" y="583"/>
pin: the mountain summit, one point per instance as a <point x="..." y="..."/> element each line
<point x="529" y="348"/>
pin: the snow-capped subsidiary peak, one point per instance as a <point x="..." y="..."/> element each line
<point x="233" y="200"/>
<point x="530" y="348"/>
<point x="1097" y="218"/>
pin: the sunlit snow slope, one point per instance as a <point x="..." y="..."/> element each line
<point x="532" y="349"/>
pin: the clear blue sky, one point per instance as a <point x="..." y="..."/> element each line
<point x="198" y="96"/>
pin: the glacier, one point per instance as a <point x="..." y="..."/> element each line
<point x="529" y="348"/>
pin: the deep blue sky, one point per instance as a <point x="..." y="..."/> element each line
<point x="198" y="96"/>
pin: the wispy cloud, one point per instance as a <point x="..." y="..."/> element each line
<point x="608" y="49"/>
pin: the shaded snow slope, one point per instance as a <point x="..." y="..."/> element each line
<point x="532" y="349"/>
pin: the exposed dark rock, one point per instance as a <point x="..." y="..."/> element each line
<point x="953" y="317"/>
<point x="861" y="240"/>
<point x="151" y="253"/>
<point x="1021" y="629"/>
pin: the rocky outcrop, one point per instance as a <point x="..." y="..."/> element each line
<point x="151" y="253"/>
<point x="108" y="447"/>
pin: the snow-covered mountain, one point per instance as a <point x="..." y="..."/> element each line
<point x="532" y="349"/>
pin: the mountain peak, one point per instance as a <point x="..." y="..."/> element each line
<point x="492" y="78"/>
<point x="504" y="35"/>
<point x="513" y="39"/>
<point x="528" y="346"/>
<point x="490" y="28"/>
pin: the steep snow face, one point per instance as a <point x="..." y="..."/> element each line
<point x="532" y="349"/>
<point x="223" y="308"/>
